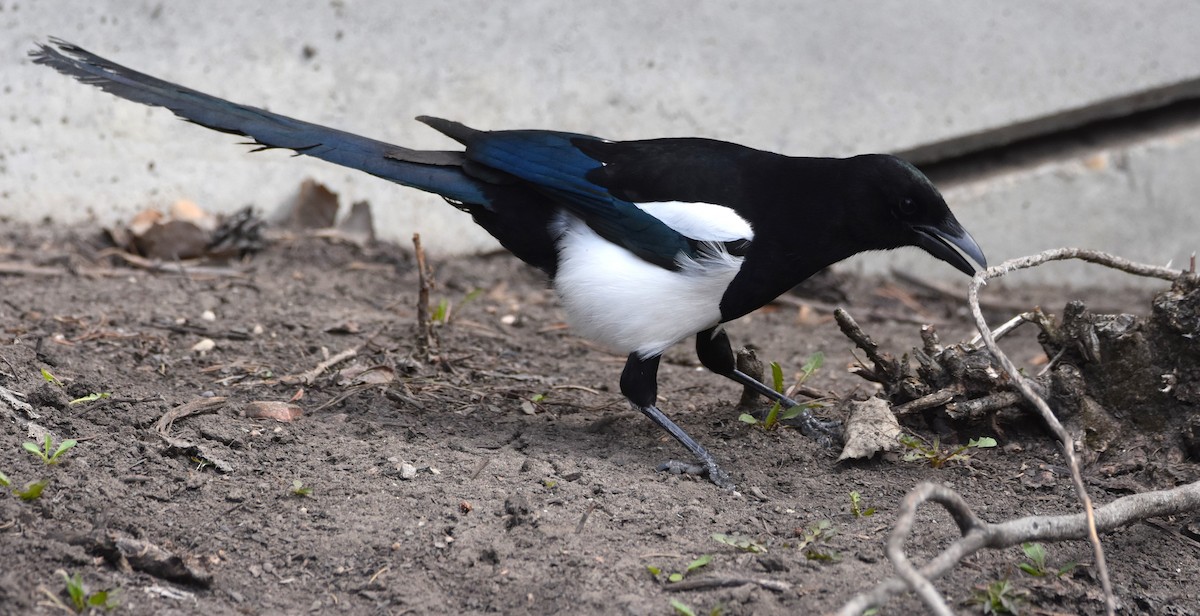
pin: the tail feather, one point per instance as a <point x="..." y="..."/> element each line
<point x="436" y="172"/>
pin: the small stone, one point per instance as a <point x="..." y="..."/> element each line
<point x="204" y="346"/>
<point x="208" y="315"/>
<point x="407" y="471"/>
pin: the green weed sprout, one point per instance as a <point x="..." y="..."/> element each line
<point x="682" y="608"/>
<point x="82" y="600"/>
<point x="856" y="506"/>
<point x="32" y="490"/>
<point x="50" y="378"/>
<point x="813" y="536"/>
<point x="4" y="481"/>
<point x="90" y="398"/>
<point x="777" y="413"/>
<point x="741" y="543"/>
<point x="999" y="597"/>
<point x="935" y="455"/>
<point x="299" y="489"/>
<point x="1036" y="566"/>
<point x="44" y="452"/>
<point x="679" y="575"/>
<point x="441" y="315"/>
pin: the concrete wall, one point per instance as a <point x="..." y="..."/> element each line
<point x="811" y="78"/>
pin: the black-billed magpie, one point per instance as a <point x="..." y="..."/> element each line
<point x="647" y="242"/>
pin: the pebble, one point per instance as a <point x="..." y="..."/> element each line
<point x="204" y="346"/>
<point x="407" y="471"/>
<point x="208" y="315"/>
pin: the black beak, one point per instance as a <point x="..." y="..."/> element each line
<point x="945" y="242"/>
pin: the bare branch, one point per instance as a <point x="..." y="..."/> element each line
<point x="935" y="399"/>
<point x="886" y="368"/>
<point x="977" y="535"/>
<point x="1022" y="384"/>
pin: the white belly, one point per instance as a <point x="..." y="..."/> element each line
<point x="617" y="299"/>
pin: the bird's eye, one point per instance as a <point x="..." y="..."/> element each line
<point x="906" y="207"/>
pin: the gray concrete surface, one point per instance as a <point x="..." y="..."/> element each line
<point x="811" y="78"/>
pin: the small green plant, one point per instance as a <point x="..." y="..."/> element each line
<point x="683" y="609"/>
<point x="935" y="455"/>
<point x="90" y="398"/>
<point x="679" y="575"/>
<point x="812" y="537"/>
<point x="441" y="315"/>
<point x="741" y="543"/>
<point x="82" y="600"/>
<point x="1036" y="565"/>
<point x="32" y="490"/>
<point x="299" y="489"/>
<point x="50" y="378"/>
<point x="44" y="452"/>
<point x="777" y="412"/>
<point x="4" y="481"/>
<point x="856" y="506"/>
<point x="999" y="597"/>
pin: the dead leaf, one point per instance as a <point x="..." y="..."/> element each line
<point x="313" y="206"/>
<point x="871" y="428"/>
<point x="358" y="226"/>
<point x="376" y="375"/>
<point x="283" y="412"/>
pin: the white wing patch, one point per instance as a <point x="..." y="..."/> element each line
<point x="620" y="300"/>
<point x="700" y="221"/>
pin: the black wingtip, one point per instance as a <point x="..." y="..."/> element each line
<point x="455" y="130"/>
<point x="45" y="53"/>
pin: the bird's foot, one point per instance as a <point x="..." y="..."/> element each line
<point x="826" y="432"/>
<point x="710" y="470"/>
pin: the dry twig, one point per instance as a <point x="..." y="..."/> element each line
<point x="709" y="583"/>
<point x="162" y="428"/>
<point x="427" y="341"/>
<point x="308" y="377"/>
<point x="977" y="534"/>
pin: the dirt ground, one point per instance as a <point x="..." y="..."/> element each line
<point x="534" y="488"/>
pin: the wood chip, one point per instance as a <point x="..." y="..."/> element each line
<point x="283" y="412"/>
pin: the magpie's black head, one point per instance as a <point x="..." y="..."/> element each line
<point x="905" y="209"/>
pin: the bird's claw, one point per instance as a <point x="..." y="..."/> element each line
<point x="826" y="432"/>
<point x="712" y="471"/>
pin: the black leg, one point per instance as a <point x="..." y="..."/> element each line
<point x="714" y="351"/>
<point x="639" y="383"/>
